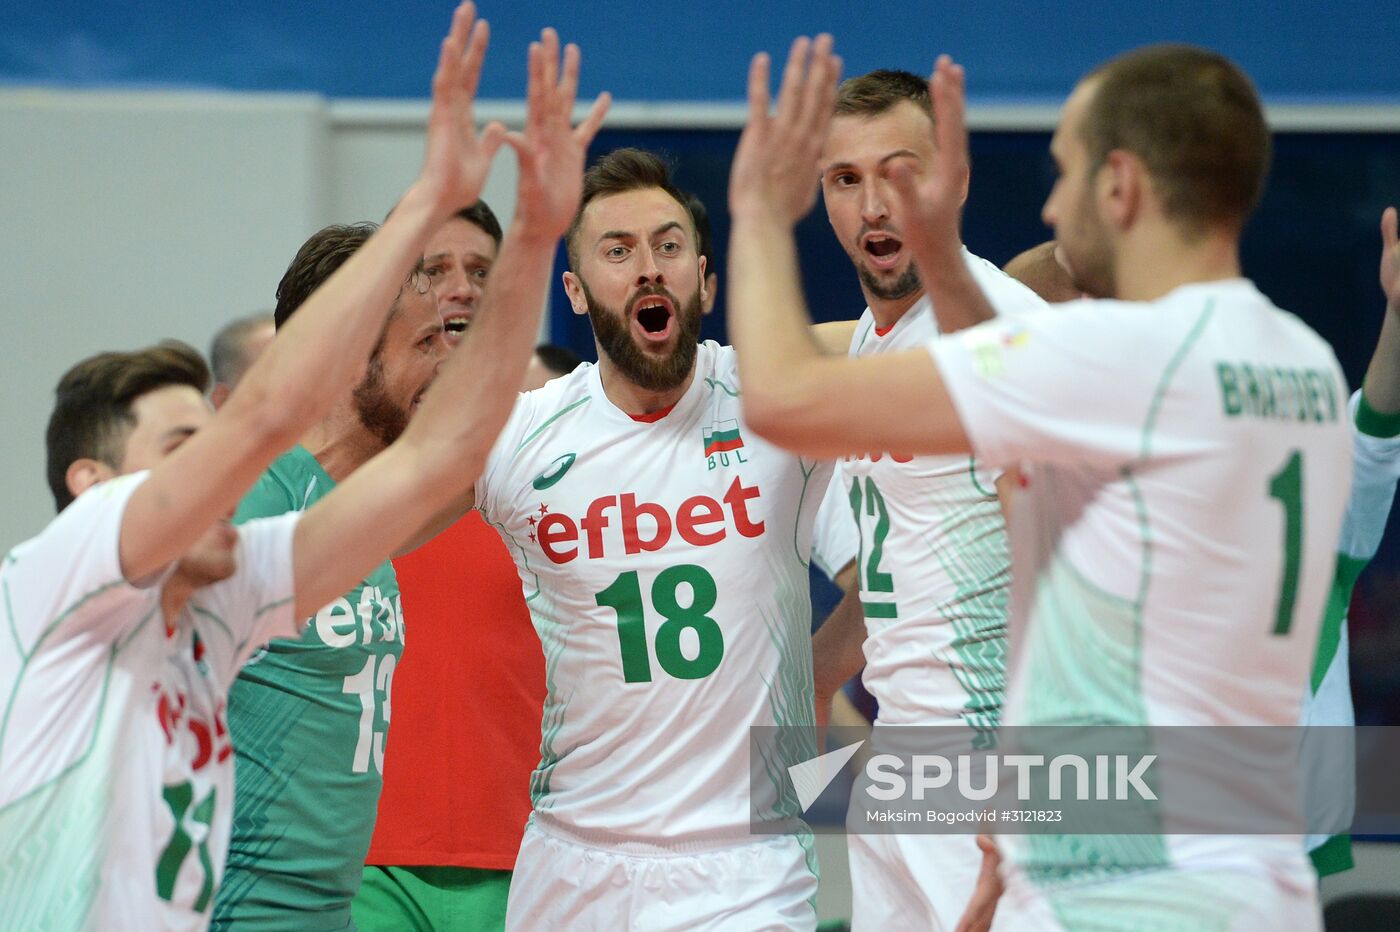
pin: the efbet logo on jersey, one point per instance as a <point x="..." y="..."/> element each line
<point x="723" y="444"/>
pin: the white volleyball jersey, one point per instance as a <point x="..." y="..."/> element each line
<point x="116" y="774"/>
<point x="1186" y="464"/>
<point x="934" y="565"/>
<point x="665" y="567"/>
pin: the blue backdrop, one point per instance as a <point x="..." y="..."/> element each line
<point x="1336" y="50"/>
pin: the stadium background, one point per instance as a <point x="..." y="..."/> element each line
<point x="162" y="162"/>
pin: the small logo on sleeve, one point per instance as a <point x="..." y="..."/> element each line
<point x="723" y="443"/>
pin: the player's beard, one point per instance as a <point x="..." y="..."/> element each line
<point x="1088" y="252"/>
<point x="905" y="284"/>
<point x="380" y="415"/>
<point x="614" y="334"/>
<point x="902" y="287"/>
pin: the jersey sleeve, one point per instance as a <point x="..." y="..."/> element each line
<point x="835" y="538"/>
<point x="257" y="602"/>
<point x="68" y="580"/>
<point x="503" y="451"/>
<point x="1010" y="299"/>
<point x="1033" y="387"/>
<point x="1375" y="470"/>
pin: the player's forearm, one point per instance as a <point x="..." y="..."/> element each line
<point x="838" y="647"/>
<point x="958" y="301"/>
<point x="1381" y="387"/>
<point x="779" y="362"/>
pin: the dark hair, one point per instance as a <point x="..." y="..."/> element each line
<point x="619" y="171"/>
<point x="874" y="93"/>
<point x="226" y="351"/>
<point x="92" y="409"/>
<point x="1194" y="119"/>
<point x="316" y="261"/>
<point x="484" y="217"/>
<point x="558" y="359"/>
<point x="704" y="244"/>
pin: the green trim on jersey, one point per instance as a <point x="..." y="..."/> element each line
<point x="554" y="639"/>
<point x="1162" y="901"/>
<point x="974" y="557"/>
<point x="720" y="384"/>
<point x="1373" y="423"/>
<point x="801" y="503"/>
<point x="1333" y="856"/>
<point x="530" y="438"/>
<point x="1338" y="599"/>
<point x="972" y="474"/>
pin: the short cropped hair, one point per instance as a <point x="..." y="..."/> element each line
<point x="316" y="260"/>
<point x="92" y="416"/>
<point x="1195" y="120"/>
<point x="617" y="172"/>
<point x="872" y="94"/>
<point x="226" y="352"/>
<point x="704" y="243"/>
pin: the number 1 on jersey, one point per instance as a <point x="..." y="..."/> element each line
<point x="624" y="596"/>
<point x="1286" y="485"/>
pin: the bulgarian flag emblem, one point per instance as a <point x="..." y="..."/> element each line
<point x="722" y="438"/>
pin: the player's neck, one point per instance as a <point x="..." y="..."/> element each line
<point x="889" y="312"/>
<point x="630" y="397"/>
<point x="1154" y="264"/>
<point x="341" y="443"/>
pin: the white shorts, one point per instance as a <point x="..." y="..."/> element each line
<point x="1223" y="901"/>
<point x="911" y="881"/>
<point x="563" y="881"/>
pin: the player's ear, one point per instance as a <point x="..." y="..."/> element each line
<point x="573" y="287"/>
<point x="711" y="290"/>
<point x="1121" y="181"/>
<point x="83" y="474"/>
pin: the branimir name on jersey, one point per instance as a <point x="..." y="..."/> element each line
<point x="1113" y="776"/>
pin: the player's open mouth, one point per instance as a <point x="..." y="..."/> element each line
<point x="455" y="326"/>
<point x="652" y="316"/>
<point x="882" y="249"/>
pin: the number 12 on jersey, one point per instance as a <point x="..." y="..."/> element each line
<point x="624" y="596"/>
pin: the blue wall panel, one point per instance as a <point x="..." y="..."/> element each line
<point x="1343" y="49"/>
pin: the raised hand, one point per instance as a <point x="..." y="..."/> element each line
<point x="458" y="158"/>
<point x="775" y="165"/>
<point x="927" y="208"/>
<point x="1390" y="261"/>
<point x="550" y="151"/>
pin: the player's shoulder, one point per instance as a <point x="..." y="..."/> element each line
<point x="560" y="403"/>
<point x="288" y="484"/>
<point x="97" y="508"/>
<point x="716" y="363"/>
<point x="1007" y="295"/>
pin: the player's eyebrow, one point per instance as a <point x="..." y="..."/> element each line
<point x="616" y="234"/>
<point x="667" y="227"/>
<point x="184" y="430"/>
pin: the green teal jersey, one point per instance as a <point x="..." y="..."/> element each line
<point x="309" y="717"/>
